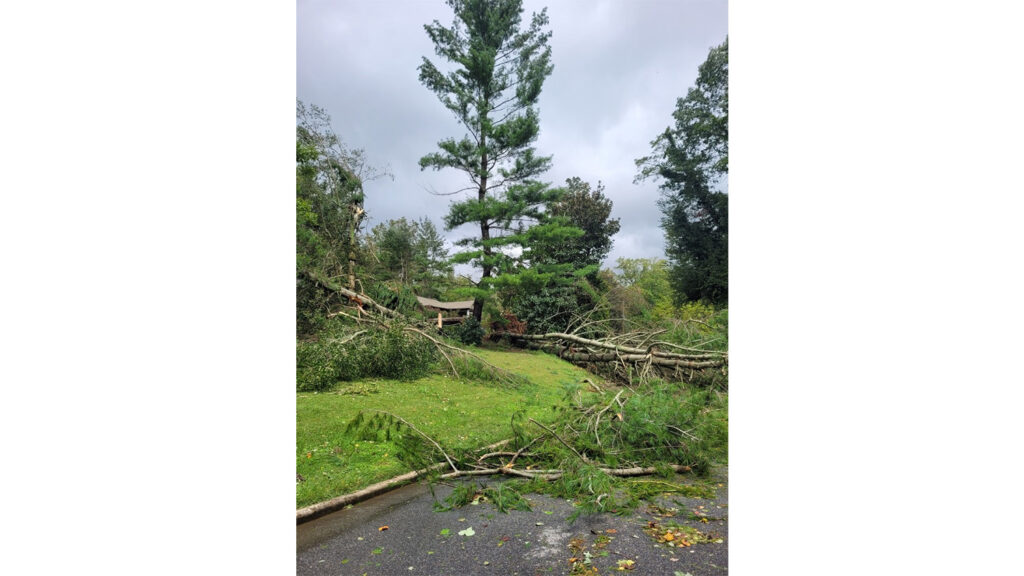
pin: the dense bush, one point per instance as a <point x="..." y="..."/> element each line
<point x="471" y="332"/>
<point x="552" y="308"/>
<point x="311" y="305"/>
<point x="321" y="364"/>
<point x="393" y="354"/>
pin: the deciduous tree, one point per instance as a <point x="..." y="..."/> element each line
<point x="692" y="161"/>
<point x="329" y="210"/>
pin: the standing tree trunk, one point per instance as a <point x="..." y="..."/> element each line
<point x="485" y="228"/>
<point x="357" y="214"/>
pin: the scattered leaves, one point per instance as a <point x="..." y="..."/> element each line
<point x="467" y="532"/>
<point x="626" y="565"/>
<point x="382" y="528"/>
<point x="676" y="536"/>
<point x="445" y="532"/>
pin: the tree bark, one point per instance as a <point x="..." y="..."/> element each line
<point x="485" y="228"/>
<point x="352" y="295"/>
<point x="625" y="349"/>
<point x="357" y="214"/>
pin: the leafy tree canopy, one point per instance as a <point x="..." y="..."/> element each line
<point x="691" y="160"/>
<point x="328" y="209"/>
<point x="589" y="210"/>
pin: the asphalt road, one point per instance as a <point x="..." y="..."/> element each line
<point x="420" y="541"/>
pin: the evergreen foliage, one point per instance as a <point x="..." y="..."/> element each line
<point x="409" y="254"/>
<point x="553" y="306"/>
<point x="471" y="332"/>
<point x="692" y="161"/>
<point x="498" y="69"/>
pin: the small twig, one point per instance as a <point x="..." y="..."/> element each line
<point x="349" y="339"/>
<point x="493" y="454"/>
<point x="438" y="345"/>
<point x="683" y="432"/>
<point x="597" y="423"/>
<point x="550" y="431"/>
<point x="431" y="440"/>
<point x="346" y="314"/>
<point x="520" y="452"/>
<point x="498" y="444"/>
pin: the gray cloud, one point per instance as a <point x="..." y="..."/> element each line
<point x="619" y="68"/>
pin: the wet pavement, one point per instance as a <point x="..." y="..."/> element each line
<point x="481" y="540"/>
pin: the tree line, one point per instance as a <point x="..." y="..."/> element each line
<point x="538" y="248"/>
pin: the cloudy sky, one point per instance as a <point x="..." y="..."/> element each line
<point x="619" y="67"/>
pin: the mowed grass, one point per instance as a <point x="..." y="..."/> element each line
<point x="459" y="414"/>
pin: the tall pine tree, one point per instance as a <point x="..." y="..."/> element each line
<point x="497" y="69"/>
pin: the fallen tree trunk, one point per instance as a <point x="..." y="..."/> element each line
<point x="353" y="296"/>
<point x="554" y="336"/>
<point x="636" y="358"/>
<point x="556" y="474"/>
<point x="321" y="508"/>
<point x="620" y="361"/>
<point x="334" y="504"/>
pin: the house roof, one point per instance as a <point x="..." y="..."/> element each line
<point x="431" y="303"/>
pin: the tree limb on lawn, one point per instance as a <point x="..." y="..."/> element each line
<point x="556" y="474"/>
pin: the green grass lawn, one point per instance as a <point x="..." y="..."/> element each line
<point x="459" y="414"/>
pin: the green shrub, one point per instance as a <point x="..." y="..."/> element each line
<point x="395" y="354"/>
<point x="321" y="364"/>
<point x="336" y="356"/>
<point x="471" y="332"/>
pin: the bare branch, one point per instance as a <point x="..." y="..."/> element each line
<point x="428" y="438"/>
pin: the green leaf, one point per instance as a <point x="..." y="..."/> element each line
<point x="467" y="532"/>
<point x="445" y="532"/>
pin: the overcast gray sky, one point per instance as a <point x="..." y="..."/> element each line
<point x="619" y="67"/>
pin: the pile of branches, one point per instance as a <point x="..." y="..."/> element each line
<point x="596" y="439"/>
<point x="632" y="357"/>
<point x="365" y="312"/>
